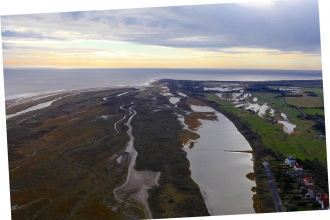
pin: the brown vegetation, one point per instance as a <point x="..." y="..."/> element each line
<point x="192" y="120"/>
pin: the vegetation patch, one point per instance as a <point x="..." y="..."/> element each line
<point x="305" y="101"/>
<point x="313" y="111"/>
<point x="158" y="143"/>
<point x="187" y="135"/>
<point x="193" y="119"/>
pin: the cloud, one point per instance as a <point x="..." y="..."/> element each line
<point x="27" y="35"/>
<point x="282" y="25"/>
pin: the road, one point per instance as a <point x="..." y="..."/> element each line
<point x="273" y="189"/>
<point x="301" y="111"/>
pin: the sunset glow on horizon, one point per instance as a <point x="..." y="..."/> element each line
<point x="276" y="35"/>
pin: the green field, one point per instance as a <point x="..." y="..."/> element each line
<point x="308" y="101"/>
<point x="317" y="90"/>
<point x="301" y="144"/>
<point x="305" y="101"/>
<point x="313" y="111"/>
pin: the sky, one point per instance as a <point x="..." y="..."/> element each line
<point x="270" y="35"/>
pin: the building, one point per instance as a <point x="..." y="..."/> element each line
<point x="308" y="181"/>
<point x="297" y="167"/>
<point x="315" y="191"/>
<point x="324" y="201"/>
<point x="302" y="176"/>
<point x="290" y="161"/>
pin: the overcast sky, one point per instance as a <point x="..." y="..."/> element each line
<point x="270" y="35"/>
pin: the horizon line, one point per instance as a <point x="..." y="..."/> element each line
<point x="205" y="68"/>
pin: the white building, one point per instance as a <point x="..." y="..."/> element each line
<point x="290" y="161"/>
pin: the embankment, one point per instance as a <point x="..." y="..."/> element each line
<point x="262" y="200"/>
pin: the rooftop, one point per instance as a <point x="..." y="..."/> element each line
<point x="308" y="180"/>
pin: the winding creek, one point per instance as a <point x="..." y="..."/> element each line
<point x="96" y="175"/>
<point x="115" y="125"/>
<point x="137" y="182"/>
<point x="221" y="175"/>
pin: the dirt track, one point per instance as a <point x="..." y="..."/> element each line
<point x="137" y="182"/>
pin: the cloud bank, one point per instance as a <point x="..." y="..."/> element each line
<point x="278" y="27"/>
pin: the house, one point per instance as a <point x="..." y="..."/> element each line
<point x="308" y="181"/>
<point x="324" y="201"/>
<point x="302" y="176"/>
<point x="297" y="167"/>
<point x="290" y="161"/>
<point x="315" y="191"/>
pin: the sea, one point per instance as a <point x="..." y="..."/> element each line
<point x="26" y="82"/>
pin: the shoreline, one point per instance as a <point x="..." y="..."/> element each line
<point x="37" y="95"/>
<point x="40" y="95"/>
<point x="150" y="83"/>
<point x="245" y="204"/>
<point x="256" y="145"/>
<point x="14" y="106"/>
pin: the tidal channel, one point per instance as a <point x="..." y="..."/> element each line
<point x="221" y="175"/>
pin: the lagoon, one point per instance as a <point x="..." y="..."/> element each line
<point x="221" y="175"/>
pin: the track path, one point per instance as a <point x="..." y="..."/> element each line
<point x="96" y="175"/>
<point x="141" y="180"/>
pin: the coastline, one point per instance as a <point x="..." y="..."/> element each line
<point x="16" y="105"/>
<point x="36" y="94"/>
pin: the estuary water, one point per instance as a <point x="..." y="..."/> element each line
<point x="220" y="174"/>
<point x="24" y="82"/>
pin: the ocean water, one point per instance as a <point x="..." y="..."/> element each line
<point x="24" y="82"/>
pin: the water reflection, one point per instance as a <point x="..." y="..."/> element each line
<point x="221" y="175"/>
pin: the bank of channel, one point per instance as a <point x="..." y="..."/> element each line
<point x="221" y="175"/>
